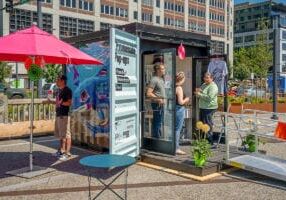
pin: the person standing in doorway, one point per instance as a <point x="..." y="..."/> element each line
<point x="156" y="92"/>
<point x="208" y="104"/>
<point x="62" y="123"/>
<point x="181" y="101"/>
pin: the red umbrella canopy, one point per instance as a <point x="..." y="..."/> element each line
<point x="33" y="42"/>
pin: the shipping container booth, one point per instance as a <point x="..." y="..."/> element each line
<point x="110" y="109"/>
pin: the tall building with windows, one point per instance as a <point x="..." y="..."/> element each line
<point x="247" y="20"/>
<point x="66" y="18"/>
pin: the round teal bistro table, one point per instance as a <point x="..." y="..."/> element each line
<point x="107" y="161"/>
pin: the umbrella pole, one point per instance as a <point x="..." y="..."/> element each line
<point x="31" y="127"/>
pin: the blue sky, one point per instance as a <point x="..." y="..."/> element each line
<point x="253" y="1"/>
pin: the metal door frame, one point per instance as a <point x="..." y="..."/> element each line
<point x="158" y="145"/>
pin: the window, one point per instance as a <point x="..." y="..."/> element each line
<point x="85" y="26"/>
<point x="249" y="38"/>
<point x="147" y="17"/>
<point x="283" y="57"/>
<point x="147" y="2"/>
<point x="90" y="7"/>
<point x="238" y="40"/>
<point x="106" y="9"/>
<point x="217" y="47"/>
<point x="46" y="1"/>
<point x="135" y="15"/>
<point x="158" y="19"/>
<point x="105" y="26"/>
<point x="20" y="19"/>
<point x="217" y="3"/>
<point x="284" y="46"/>
<point x="68" y="3"/>
<point x="158" y="3"/>
<point x="85" y="5"/>
<point x="283" y="21"/>
<point x="70" y="26"/>
<point x="111" y="10"/>
<point x="284" y="35"/>
<point x="117" y="11"/>
<point x="120" y="12"/>
<point x="173" y="7"/>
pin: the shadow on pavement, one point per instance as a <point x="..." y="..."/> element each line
<point x="16" y="160"/>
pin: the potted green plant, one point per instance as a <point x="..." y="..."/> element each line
<point x="249" y="140"/>
<point x="201" y="147"/>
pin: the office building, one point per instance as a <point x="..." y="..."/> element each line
<point x="247" y="20"/>
<point x="66" y="18"/>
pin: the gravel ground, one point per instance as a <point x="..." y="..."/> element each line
<point x="69" y="180"/>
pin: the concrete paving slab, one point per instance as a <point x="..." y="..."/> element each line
<point x="27" y="173"/>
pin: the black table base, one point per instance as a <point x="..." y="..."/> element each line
<point x="108" y="186"/>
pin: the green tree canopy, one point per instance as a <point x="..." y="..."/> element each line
<point x="257" y="59"/>
<point x="51" y="72"/>
<point x="241" y="69"/>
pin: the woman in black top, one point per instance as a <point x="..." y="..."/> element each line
<point x="181" y="100"/>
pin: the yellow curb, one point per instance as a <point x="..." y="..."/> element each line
<point x="186" y="175"/>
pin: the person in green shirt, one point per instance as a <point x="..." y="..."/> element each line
<point x="208" y="104"/>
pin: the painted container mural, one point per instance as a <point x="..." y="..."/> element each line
<point x="90" y="86"/>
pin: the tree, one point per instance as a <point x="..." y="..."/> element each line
<point x="261" y="53"/>
<point x="256" y="59"/>
<point x="5" y="71"/>
<point x="241" y="70"/>
<point x="51" y="72"/>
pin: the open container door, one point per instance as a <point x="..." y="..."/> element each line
<point x="124" y="92"/>
<point x="200" y="68"/>
<point x="164" y="141"/>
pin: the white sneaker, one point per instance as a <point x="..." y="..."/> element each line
<point x="180" y="152"/>
<point x="63" y="157"/>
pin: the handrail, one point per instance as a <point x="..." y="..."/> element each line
<point x="264" y="133"/>
<point x="19" y="110"/>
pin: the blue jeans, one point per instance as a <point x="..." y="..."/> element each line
<point x="180" y="116"/>
<point x="206" y="116"/>
<point x="158" y="118"/>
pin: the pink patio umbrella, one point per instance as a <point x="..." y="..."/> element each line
<point x="35" y="43"/>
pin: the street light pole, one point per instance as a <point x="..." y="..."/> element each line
<point x="274" y="69"/>
<point x="40" y="25"/>
<point x="17" y="75"/>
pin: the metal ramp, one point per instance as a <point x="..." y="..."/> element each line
<point x="254" y="162"/>
<point x="264" y="165"/>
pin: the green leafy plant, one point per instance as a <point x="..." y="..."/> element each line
<point x="201" y="147"/>
<point x="249" y="141"/>
<point x="281" y="100"/>
<point x="35" y="72"/>
<point x="51" y="72"/>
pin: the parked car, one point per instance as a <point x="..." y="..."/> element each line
<point x="250" y="92"/>
<point x="12" y="93"/>
<point x="49" y="89"/>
